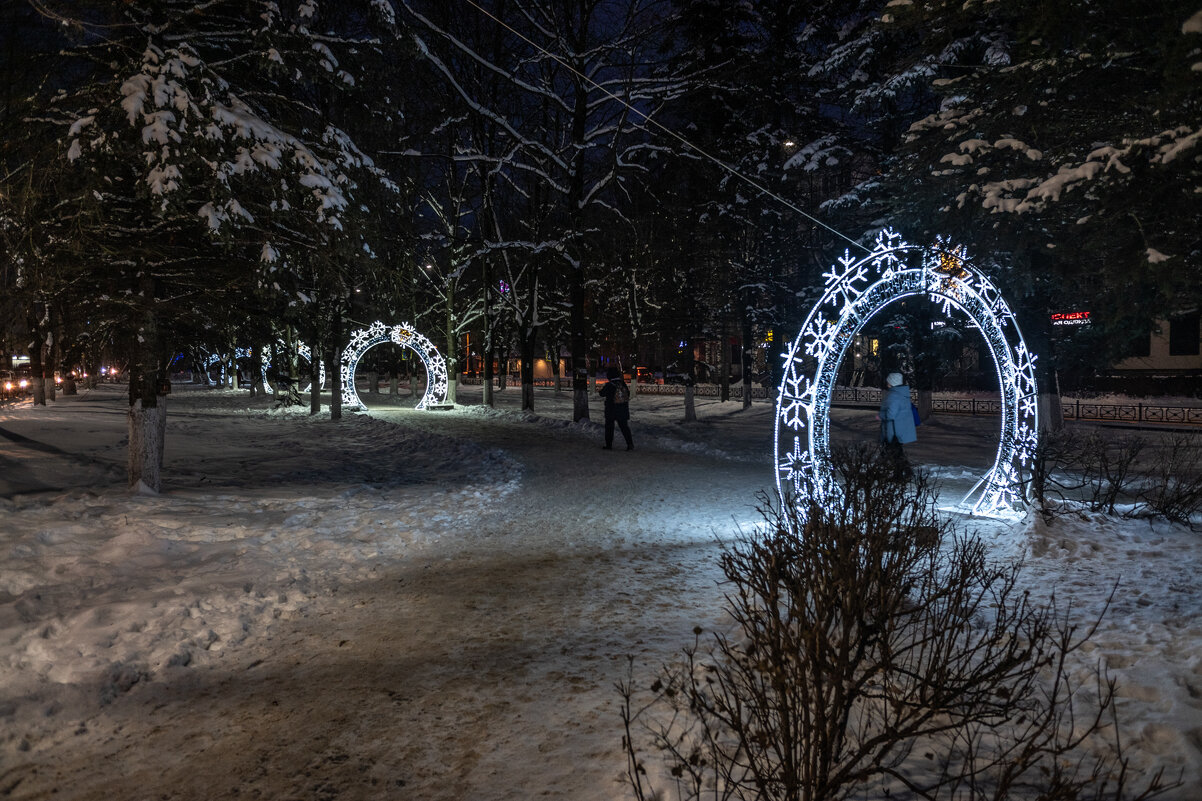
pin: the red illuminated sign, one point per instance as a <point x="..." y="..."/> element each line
<point x="1070" y="318"/>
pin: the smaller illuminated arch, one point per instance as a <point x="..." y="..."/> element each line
<point x="855" y="291"/>
<point x="404" y="334"/>
<point x="302" y="350"/>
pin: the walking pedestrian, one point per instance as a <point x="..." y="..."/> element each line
<point x="897" y="424"/>
<point x="617" y="408"/>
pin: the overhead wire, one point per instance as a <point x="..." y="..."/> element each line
<point x="649" y="122"/>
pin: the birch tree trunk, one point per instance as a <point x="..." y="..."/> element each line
<point x="147" y="435"/>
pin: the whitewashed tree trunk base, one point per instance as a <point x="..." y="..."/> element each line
<point x="147" y="434"/>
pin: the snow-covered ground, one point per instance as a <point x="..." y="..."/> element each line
<point x="438" y="605"/>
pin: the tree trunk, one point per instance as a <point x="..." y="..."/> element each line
<point x="452" y="354"/>
<point x="334" y="364"/>
<point x="147" y="434"/>
<point x="147" y="411"/>
<point x="553" y="358"/>
<point x="1051" y="414"/>
<point x="748" y="362"/>
<point x="37" y="385"/>
<point x="314" y="375"/>
<point x="527" y="370"/>
<point x="292" y="365"/>
<point x="50" y="366"/>
<point x="724" y="365"/>
<point x="487" y="396"/>
<point x="257" y="389"/>
<point x="925" y="403"/>
<point x="486" y="390"/>
<point x="689" y="367"/>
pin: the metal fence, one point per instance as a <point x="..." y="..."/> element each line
<point x="1071" y="409"/>
<point x="871" y="397"/>
<point x="699" y="390"/>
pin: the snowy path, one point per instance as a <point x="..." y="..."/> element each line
<point x="430" y="640"/>
<point x="432" y="606"/>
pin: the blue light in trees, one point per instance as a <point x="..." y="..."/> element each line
<point x="855" y="291"/>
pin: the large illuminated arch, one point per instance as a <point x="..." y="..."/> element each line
<point x="403" y="334"/>
<point x="855" y="291"/>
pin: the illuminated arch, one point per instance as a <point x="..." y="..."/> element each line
<point x="403" y="334"/>
<point x="302" y="350"/>
<point x="855" y="291"/>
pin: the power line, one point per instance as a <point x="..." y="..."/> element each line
<point x="663" y="129"/>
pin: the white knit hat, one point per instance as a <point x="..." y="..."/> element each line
<point x="894" y="379"/>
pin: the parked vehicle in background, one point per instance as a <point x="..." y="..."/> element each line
<point x="645" y="376"/>
<point x="13" y="384"/>
<point x="25" y="380"/>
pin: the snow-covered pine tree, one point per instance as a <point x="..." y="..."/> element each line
<point x="1065" y="148"/>
<point x="216" y="172"/>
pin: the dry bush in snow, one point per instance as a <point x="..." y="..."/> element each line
<point x="876" y="652"/>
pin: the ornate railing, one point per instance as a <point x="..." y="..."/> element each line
<point x="1072" y="409"/>
<point x="699" y="390"/>
<point x="871" y="397"/>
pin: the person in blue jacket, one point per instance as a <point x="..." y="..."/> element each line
<point x="897" y="423"/>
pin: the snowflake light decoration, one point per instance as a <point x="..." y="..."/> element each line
<point x="855" y="291"/>
<point x="302" y="350"/>
<point x="404" y="334"/>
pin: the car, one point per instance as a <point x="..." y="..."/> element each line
<point x="645" y="376"/>
<point x="12" y="385"/>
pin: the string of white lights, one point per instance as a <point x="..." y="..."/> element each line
<point x="404" y="334"/>
<point x="857" y="290"/>
<point x="649" y="122"/>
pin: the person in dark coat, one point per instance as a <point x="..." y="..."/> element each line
<point x="617" y="408"/>
<point x="897" y="423"/>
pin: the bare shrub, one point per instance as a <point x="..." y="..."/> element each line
<point x="1174" y="488"/>
<point x="1055" y="474"/>
<point x="876" y="653"/>
<point x="1107" y="463"/>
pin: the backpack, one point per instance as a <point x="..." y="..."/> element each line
<point x="621" y="393"/>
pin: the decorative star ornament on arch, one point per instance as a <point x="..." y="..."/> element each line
<point x="404" y="334"/>
<point x="856" y="289"/>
